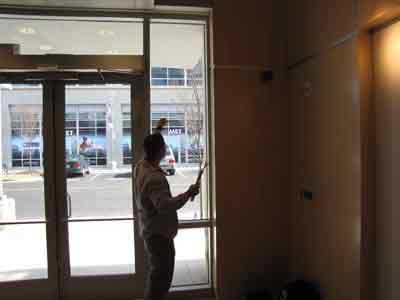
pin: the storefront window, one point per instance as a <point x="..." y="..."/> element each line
<point x="173" y="77"/>
<point x="126" y="135"/>
<point x="174" y="133"/>
<point x="26" y="137"/>
<point x="85" y="133"/>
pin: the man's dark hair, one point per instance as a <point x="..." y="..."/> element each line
<point x="152" y="146"/>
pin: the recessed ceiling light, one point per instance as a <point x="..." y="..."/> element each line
<point x="106" y="32"/>
<point x="27" y="30"/>
<point x="46" y="47"/>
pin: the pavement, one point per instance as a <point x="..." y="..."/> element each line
<point x="96" y="247"/>
<point x="101" y="194"/>
<point x="24" y="176"/>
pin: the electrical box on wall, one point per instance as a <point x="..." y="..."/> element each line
<point x="306" y="194"/>
<point x="268" y="75"/>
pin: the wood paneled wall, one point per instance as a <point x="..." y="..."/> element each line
<point x="326" y="161"/>
<point x="386" y="68"/>
<point x="323" y="108"/>
<point x="333" y="235"/>
<point x="315" y="25"/>
<point x="251" y="146"/>
<point x="368" y="210"/>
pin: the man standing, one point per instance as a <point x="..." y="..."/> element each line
<point x="158" y="220"/>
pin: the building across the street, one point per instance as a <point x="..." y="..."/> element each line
<point x="98" y="120"/>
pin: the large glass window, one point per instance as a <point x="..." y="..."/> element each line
<point x="23" y="249"/>
<point x="178" y="94"/>
<point x="191" y="266"/>
<point x="98" y="133"/>
<point x="73" y="35"/>
<point x="98" y="243"/>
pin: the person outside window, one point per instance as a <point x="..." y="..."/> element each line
<point x="84" y="146"/>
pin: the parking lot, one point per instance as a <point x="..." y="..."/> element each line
<point x="101" y="194"/>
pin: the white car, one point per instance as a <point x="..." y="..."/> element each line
<point x="168" y="163"/>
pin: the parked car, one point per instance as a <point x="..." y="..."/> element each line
<point x="77" y="165"/>
<point x="168" y="163"/>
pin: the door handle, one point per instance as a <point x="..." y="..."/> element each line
<point x="69" y="206"/>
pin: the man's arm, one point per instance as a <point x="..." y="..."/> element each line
<point x="160" y="196"/>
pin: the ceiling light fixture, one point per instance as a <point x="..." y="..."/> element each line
<point x="27" y="30"/>
<point x="111" y="52"/>
<point x="46" y="47"/>
<point x="106" y="32"/>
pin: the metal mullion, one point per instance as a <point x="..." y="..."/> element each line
<point x="208" y="114"/>
<point x="111" y="13"/>
<point x="71" y="63"/>
<point x="139" y="128"/>
<point x="195" y="224"/>
<point x="74" y="19"/>
<point x="60" y="187"/>
<point x="207" y="81"/>
<point x="50" y="193"/>
<point x="23" y="223"/>
<point x="41" y="134"/>
<point x="100" y="220"/>
<point x="140" y="124"/>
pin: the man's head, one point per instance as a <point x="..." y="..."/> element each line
<point x="154" y="147"/>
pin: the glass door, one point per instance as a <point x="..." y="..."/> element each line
<point x="102" y="254"/>
<point x="28" y="256"/>
<point x="67" y="217"/>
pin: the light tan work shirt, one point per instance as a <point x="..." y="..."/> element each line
<point x="155" y="205"/>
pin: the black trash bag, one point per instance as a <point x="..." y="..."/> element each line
<point x="300" y="290"/>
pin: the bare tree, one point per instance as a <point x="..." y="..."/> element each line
<point x="195" y="112"/>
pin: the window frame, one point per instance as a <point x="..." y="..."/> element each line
<point x="13" y="111"/>
<point x="147" y="17"/>
<point x="205" y="223"/>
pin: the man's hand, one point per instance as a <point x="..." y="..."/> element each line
<point x="193" y="191"/>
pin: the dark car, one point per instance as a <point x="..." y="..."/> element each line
<point x="77" y="165"/>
